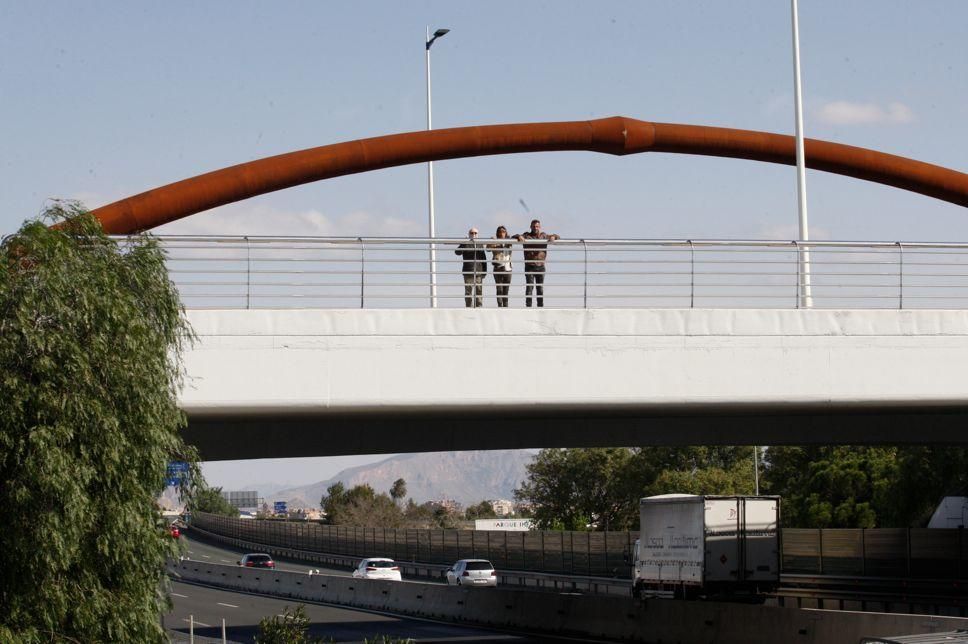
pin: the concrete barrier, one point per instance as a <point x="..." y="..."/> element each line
<point x="572" y="614"/>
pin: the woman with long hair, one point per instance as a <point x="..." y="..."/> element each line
<point x="501" y="264"/>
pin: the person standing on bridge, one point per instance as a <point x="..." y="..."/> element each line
<point x="474" y="269"/>
<point x="534" y="261"/>
<point x="501" y="266"/>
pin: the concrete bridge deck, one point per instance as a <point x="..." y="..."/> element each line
<point x="283" y="383"/>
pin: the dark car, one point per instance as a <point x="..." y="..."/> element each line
<point x="257" y="561"/>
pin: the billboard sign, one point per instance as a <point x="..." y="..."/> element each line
<point x="509" y="525"/>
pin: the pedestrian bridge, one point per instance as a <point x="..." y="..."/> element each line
<point x="311" y="346"/>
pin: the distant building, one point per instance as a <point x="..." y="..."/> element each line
<point x="449" y="505"/>
<point x="502" y="507"/>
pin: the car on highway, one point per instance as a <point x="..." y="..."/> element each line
<point x="257" y="560"/>
<point x="377" y="568"/>
<point x="472" y="572"/>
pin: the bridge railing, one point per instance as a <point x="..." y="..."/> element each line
<point x="321" y="272"/>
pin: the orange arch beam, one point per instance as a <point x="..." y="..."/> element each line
<point x="615" y="135"/>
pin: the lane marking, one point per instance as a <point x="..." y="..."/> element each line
<point x="225" y="561"/>
<point x="197" y="623"/>
<point x="180" y="595"/>
<point x="229" y="605"/>
<point x="206" y="556"/>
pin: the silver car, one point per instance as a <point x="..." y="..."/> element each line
<point x="472" y="572"/>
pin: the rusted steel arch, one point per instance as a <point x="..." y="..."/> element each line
<point x="615" y="135"/>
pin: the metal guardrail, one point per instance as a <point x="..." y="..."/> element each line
<point x="339" y="272"/>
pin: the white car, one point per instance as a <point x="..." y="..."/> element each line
<point x="377" y="568"/>
<point x="472" y="572"/>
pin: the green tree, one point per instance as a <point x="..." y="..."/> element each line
<point x="398" y="491"/>
<point x="207" y="499"/>
<point x="292" y="627"/>
<point x="833" y="486"/>
<point x="360" y="506"/>
<point x="333" y="501"/>
<point x="572" y="489"/>
<point x="483" y="510"/>
<point x="91" y="334"/>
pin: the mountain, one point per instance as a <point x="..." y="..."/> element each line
<point x="467" y="477"/>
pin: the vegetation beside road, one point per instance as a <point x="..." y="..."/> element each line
<point x="91" y="333"/>
<point x="820" y="486"/>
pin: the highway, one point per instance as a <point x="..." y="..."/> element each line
<point x="242" y="611"/>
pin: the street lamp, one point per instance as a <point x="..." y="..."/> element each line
<point x="803" y="256"/>
<point x="430" y="176"/>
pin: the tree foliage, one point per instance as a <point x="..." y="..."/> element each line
<point x="398" y="491"/>
<point x="578" y="489"/>
<point x="91" y="334"/>
<point x="292" y="627"/>
<point x="209" y="499"/>
<point x="862" y="486"/>
<point x="820" y="486"/>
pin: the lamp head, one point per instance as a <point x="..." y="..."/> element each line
<point x="437" y="34"/>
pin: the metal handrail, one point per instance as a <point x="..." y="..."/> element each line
<point x="391" y="272"/>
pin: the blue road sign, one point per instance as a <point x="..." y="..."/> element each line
<point x="279" y="507"/>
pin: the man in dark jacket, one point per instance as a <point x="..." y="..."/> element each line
<point x="535" y="255"/>
<point x="474" y="269"/>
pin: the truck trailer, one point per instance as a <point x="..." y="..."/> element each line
<point x="693" y="545"/>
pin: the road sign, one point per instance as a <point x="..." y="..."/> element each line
<point x="279" y="507"/>
<point x="175" y="472"/>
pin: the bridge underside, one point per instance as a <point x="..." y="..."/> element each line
<point x="289" y="383"/>
<point x="266" y="435"/>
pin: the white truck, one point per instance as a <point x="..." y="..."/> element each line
<point x="692" y="546"/>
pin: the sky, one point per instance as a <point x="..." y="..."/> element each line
<point x="102" y="100"/>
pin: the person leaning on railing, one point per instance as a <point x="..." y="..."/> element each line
<point x="534" y="261"/>
<point x="501" y="266"/>
<point x="474" y="269"/>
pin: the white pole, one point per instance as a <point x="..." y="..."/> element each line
<point x="224" y="640"/>
<point x="804" y="260"/>
<point x="756" y="469"/>
<point x="191" y="629"/>
<point x="430" y="190"/>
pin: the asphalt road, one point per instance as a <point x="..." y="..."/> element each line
<point x="201" y="549"/>
<point x="243" y="611"/>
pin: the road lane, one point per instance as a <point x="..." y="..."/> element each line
<point x="242" y="613"/>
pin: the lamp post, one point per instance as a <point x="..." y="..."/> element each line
<point x="803" y="256"/>
<point x="432" y="229"/>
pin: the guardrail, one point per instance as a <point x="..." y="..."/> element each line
<point x="338" y="272"/>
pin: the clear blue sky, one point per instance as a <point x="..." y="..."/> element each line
<point x="100" y="100"/>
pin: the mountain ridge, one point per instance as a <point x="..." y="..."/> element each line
<point x="467" y="477"/>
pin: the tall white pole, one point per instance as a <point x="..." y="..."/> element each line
<point x="804" y="255"/>
<point x="431" y="231"/>
<point x="756" y="469"/>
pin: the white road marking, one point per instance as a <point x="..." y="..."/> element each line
<point x="225" y="561"/>
<point x="179" y="595"/>
<point x="197" y="623"/>
<point x="229" y="605"/>
<point x="206" y="556"/>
